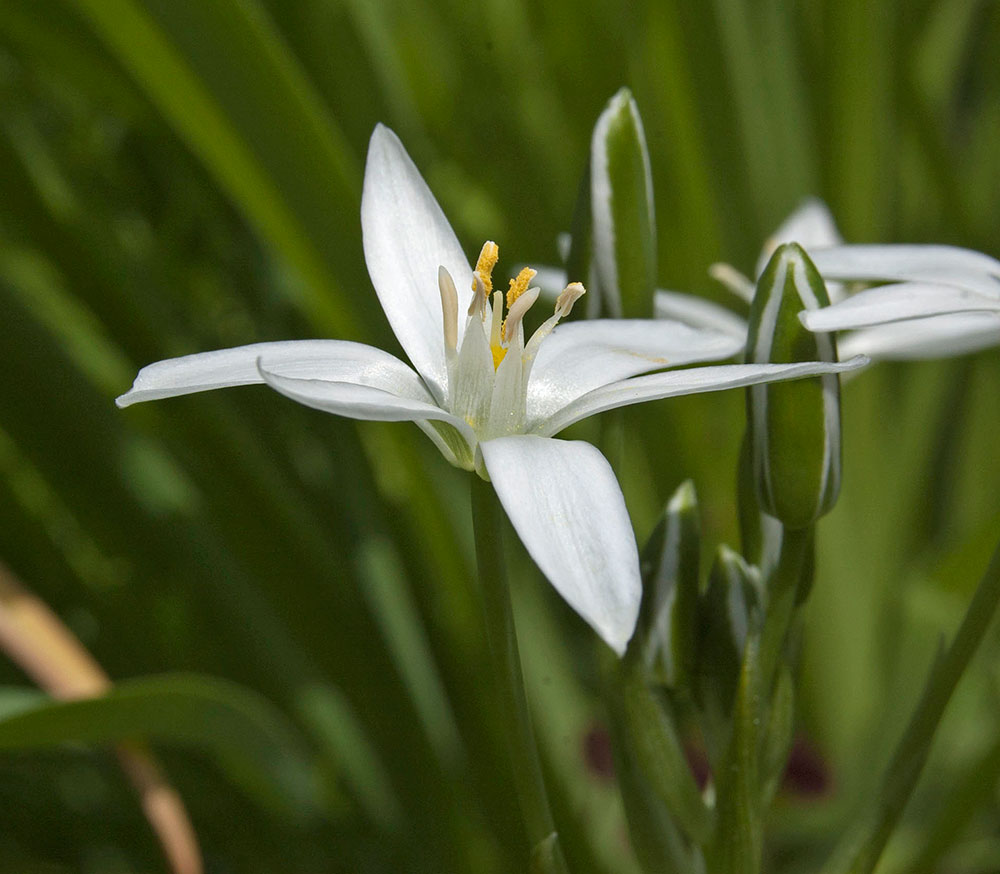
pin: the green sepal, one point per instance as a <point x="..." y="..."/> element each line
<point x="670" y="573"/>
<point x="624" y="222"/>
<point x="794" y="426"/>
<point x="728" y="611"/>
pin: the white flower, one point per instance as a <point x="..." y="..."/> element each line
<point x="937" y="301"/>
<point x="489" y="399"/>
<point x="931" y="301"/>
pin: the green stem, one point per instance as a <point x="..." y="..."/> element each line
<point x="488" y="521"/>
<point x="862" y="847"/>
<point x="782" y="591"/>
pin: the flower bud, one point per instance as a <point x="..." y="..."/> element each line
<point x="728" y="612"/>
<point x="669" y="566"/>
<point x="794" y="426"/>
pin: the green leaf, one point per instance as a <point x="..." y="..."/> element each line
<point x="624" y="224"/>
<point x="252" y="741"/>
<point x="248" y="112"/>
<point x="862" y="845"/>
<point x="14" y="700"/>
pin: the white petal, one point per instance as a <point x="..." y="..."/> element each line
<point x="406" y="239"/>
<point x="473" y="375"/>
<point x="673" y="383"/>
<point x="308" y="359"/>
<point x="566" y="506"/>
<point x="933" y="337"/>
<point x="811" y="226"/>
<point x="948" y="265"/>
<point x="698" y="313"/>
<point x="357" y="401"/>
<point x="507" y="400"/>
<point x="892" y="303"/>
<point x="581" y="356"/>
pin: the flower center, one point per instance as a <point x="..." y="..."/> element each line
<point x="482" y="284"/>
<point x="488" y="371"/>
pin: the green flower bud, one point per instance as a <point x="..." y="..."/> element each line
<point x="623" y="219"/>
<point x="669" y="565"/>
<point x="729" y="611"/>
<point x="794" y="426"/>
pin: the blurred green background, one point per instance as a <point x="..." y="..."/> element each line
<point x="182" y="175"/>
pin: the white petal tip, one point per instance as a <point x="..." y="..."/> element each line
<point x="124" y="400"/>
<point x="855" y="363"/>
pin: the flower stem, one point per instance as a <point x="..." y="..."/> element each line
<point x="782" y="593"/>
<point x="488" y="520"/>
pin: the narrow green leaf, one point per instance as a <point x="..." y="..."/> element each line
<point x="624" y="224"/>
<point x="14" y="700"/>
<point x="969" y="796"/>
<point x="251" y="740"/>
<point x="862" y="845"/>
<point x="251" y="116"/>
<point x="392" y="603"/>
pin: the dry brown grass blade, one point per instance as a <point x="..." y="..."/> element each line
<point x="48" y="652"/>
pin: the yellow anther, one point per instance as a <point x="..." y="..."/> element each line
<point x="488" y="257"/>
<point x="519" y="285"/>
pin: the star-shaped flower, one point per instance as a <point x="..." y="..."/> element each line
<point x="928" y="301"/>
<point x="489" y="399"/>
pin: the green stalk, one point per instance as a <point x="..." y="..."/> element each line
<point x="488" y="521"/>
<point x="782" y="591"/>
<point x="859" y="852"/>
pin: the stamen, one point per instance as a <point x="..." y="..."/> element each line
<point x="496" y="330"/>
<point x="449" y="308"/>
<point x="480" y="298"/>
<point x="515" y="314"/>
<point x="564" y="303"/>
<point x="733" y="280"/>
<point x="567" y="297"/>
<point x="519" y="285"/>
<point x="488" y="257"/>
